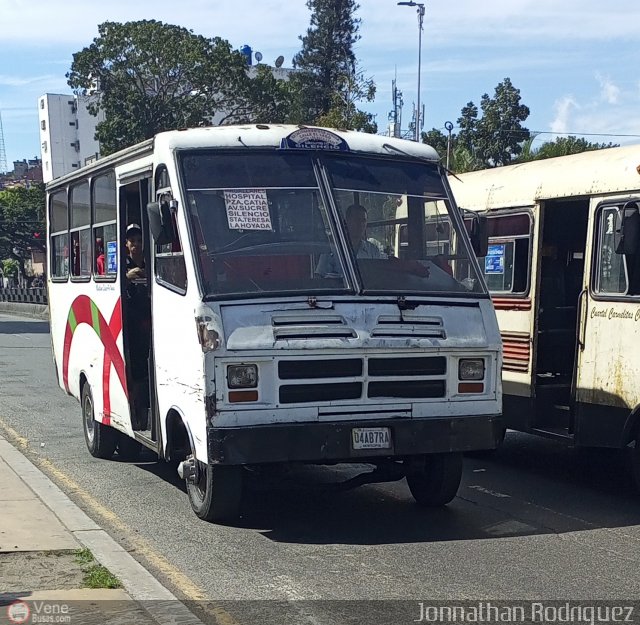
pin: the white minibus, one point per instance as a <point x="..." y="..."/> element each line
<point x="235" y="298"/>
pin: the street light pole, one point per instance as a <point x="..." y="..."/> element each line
<point x="421" y="11"/>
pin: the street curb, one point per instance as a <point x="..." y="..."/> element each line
<point x="37" y="311"/>
<point x="162" y="605"/>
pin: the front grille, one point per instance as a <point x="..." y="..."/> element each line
<point x="309" y="381"/>
<point x="379" y="367"/>
<point x="413" y="389"/>
<point x="306" y="393"/>
<point x="311" y="369"/>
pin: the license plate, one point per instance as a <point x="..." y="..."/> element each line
<point x="371" y="438"/>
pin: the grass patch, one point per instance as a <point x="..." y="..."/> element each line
<point x="95" y="575"/>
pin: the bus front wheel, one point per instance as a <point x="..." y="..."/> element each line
<point x="215" y="492"/>
<point x="101" y="439"/>
<point x="434" y="480"/>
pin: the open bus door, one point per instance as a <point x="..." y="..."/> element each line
<point x="560" y="271"/>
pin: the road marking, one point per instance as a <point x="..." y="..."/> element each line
<point x="510" y="528"/>
<point x="487" y="491"/>
<point x="191" y="591"/>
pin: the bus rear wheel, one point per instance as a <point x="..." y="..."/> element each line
<point x="215" y="492"/>
<point x="100" y="439"/>
<point x="435" y="479"/>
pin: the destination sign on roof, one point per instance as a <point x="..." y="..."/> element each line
<point x="314" y="139"/>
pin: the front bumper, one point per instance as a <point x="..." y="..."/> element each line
<point x="331" y="441"/>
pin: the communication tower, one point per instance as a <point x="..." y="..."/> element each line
<point x="395" y="116"/>
<point x="3" y="153"/>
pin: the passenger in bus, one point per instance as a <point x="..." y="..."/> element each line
<point x="135" y="254"/>
<point x="100" y="260"/>
<point x="138" y="324"/>
<point x="356" y="222"/>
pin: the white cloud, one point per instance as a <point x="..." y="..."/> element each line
<point x="563" y="109"/>
<point x="23" y="81"/>
<point x="610" y="92"/>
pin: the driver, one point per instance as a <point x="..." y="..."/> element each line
<point x="356" y="221"/>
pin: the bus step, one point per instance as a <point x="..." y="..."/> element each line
<point x="144" y="437"/>
<point x="555" y="433"/>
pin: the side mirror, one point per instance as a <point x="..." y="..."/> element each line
<point x="478" y="229"/>
<point x="627" y="235"/>
<point x="160" y="222"/>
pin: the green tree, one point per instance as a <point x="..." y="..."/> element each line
<point x="438" y="141"/>
<point x="500" y="130"/>
<point x="22" y="226"/>
<point x="268" y="100"/>
<point x="10" y="268"/>
<point x="495" y="138"/>
<point x="328" y="84"/>
<point x="461" y="158"/>
<point x="152" y="76"/>
<point x="352" y="88"/>
<point x="561" y="146"/>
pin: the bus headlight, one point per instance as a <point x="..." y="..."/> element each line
<point x="242" y="376"/>
<point x="471" y="369"/>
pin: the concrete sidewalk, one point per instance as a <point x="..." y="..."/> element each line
<point x="41" y="578"/>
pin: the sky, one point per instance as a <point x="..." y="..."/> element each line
<point x="575" y="62"/>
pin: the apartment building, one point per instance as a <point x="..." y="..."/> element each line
<point x="67" y="133"/>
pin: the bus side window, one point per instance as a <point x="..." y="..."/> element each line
<point x="506" y="266"/>
<point x="59" y="243"/>
<point x="80" y="233"/>
<point x="611" y="269"/>
<point x="169" y="258"/>
<point x="105" y="237"/>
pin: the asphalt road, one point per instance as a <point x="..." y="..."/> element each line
<point x="533" y="521"/>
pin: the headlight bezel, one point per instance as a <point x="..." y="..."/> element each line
<point x="238" y="376"/>
<point x="471" y="369"/>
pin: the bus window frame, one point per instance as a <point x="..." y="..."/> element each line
<point x="59" y="233"/>
<point x="79" y="230"/>
<point x="106" y="277"/>
<point x="513" y="212"/>
<point x="161" y="177"/>
<point x="596" y="256"/>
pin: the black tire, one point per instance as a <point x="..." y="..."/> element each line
<point x="100" y="439"/>
<point x="436" y="482"/>
<point x="129" y="449"/>
<point x="216" y="494"/>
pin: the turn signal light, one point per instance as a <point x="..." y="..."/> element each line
<point x="240" y="396"/>
<point x="470" y="387"/>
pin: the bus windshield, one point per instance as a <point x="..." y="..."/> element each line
<point x="263" y="224"/>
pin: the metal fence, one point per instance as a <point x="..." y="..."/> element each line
<point x="23" y="295"/>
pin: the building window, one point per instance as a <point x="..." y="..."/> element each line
<point x="43" y="124"/>
<point x="42" y="103"/>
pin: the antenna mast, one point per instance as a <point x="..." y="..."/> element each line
<point x="3" y="154"/>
